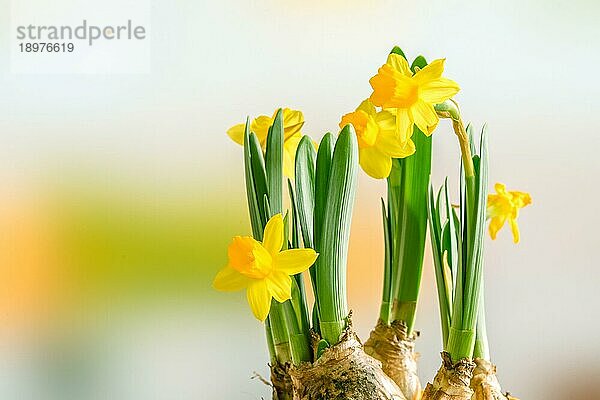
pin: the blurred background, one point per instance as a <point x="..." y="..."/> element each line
<point x="120" y="192"/>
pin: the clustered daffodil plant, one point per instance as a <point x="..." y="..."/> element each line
<point x="314" y="352"/>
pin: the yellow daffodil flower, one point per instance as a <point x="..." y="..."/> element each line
<point x="292" y="123"/>
<point x="377" y="140"/>
<point x="505" y="205"/>
<point x="262" y="268"/>
<point x="412" y="95"/>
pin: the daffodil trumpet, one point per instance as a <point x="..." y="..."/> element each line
<point x="325" y="190"/>
<point x="409" y="94"/>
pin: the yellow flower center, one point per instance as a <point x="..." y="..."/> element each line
<point x="250" y="258"/>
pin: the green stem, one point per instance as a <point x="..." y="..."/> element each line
<point x="386" y="297"/>
<point x="281" y="337"/>
<point x="270" y="344"/>
<point x="482" y="349"/>
<point x="461" y="343"/>
<point x="299" y="339"/>
<point x="409" y="232"/>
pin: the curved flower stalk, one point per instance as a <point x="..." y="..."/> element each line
<point x="457" y="242"/>
<point x="325" y="190"/>
<point x="459" y="272"/>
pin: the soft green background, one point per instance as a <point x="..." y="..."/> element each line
<point x="123" y="191"/>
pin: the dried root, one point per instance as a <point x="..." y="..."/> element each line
<point x="452" y="381"/>
<point x="485" y="384"/>
<point x="395" y="349"/>
<point x="344" y="371"/>
<point x="281" y="382"/>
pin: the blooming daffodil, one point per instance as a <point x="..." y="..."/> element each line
<point x="505" y="205"/>
<point x="262" y="268"/>
<point x="411" y="95"/>
<point x="377" y="140"/>
<point x="292" y="123"/>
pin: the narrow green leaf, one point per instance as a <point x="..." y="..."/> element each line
<point x="323" y="168"/>
<point x="274" y="164"/>
<point x="436" y="245"/>
<point x="386" y="298"/>
<point x="253" y="199"/>
<point x="305" y="188"/>
<point x="259" y="176"/>
<point x="333" y="244"/>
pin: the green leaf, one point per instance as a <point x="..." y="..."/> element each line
<point x="324" y="157"/>
<point x="305" y="195"/>
<point x="305" y="188"/>
<point x="259" y="176"/>
<point x="386" y="298"/>
<point x="436" y="245"/>
<point x="411" y="227"/>
<point x="274" y="163"/>
<point x="333" y="243"/>
<point x="253" y="199"/>
<point x="419" y="63"/>
<point x="398" y="50"/>
<point x="322" y="345"/>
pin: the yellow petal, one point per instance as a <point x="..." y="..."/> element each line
<point x="263" y="263"/>
<point x="273" y="237"/>
<point x="521" y="199"/>
<point x="423" y="115"/>
<point x="438" y="90"/>
<point x="399" y="63"/>
<point x="364" y="125"/>
<point x="259" y="299"/>
<point x="260" y="126"/>
<point x="290" y="146"/>
<point x="294" y="261"/>
<point x="392" y="146"/>
<point x="430" y="72"/>
<point x="292" y="121"/>
<point x="236" y="133"/>
<point x="514" y="227"/>
<point x="230" y="280"/>
<point x="404" y="125"/>
<point x="431" y="129"/>
<point x="367" y="107"/>
<point x="375" y="163"/>
<point x="500" y="188"/>
<point x="280" y="286"/>
<point x="496" y="224"/>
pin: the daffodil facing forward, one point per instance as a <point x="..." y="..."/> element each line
<point x="377" y="140"/>
<point x="292" y="123"/>
<point x="263" y="269"/>
<point x="412" y="95"/>
<point x="505" y="205"/>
